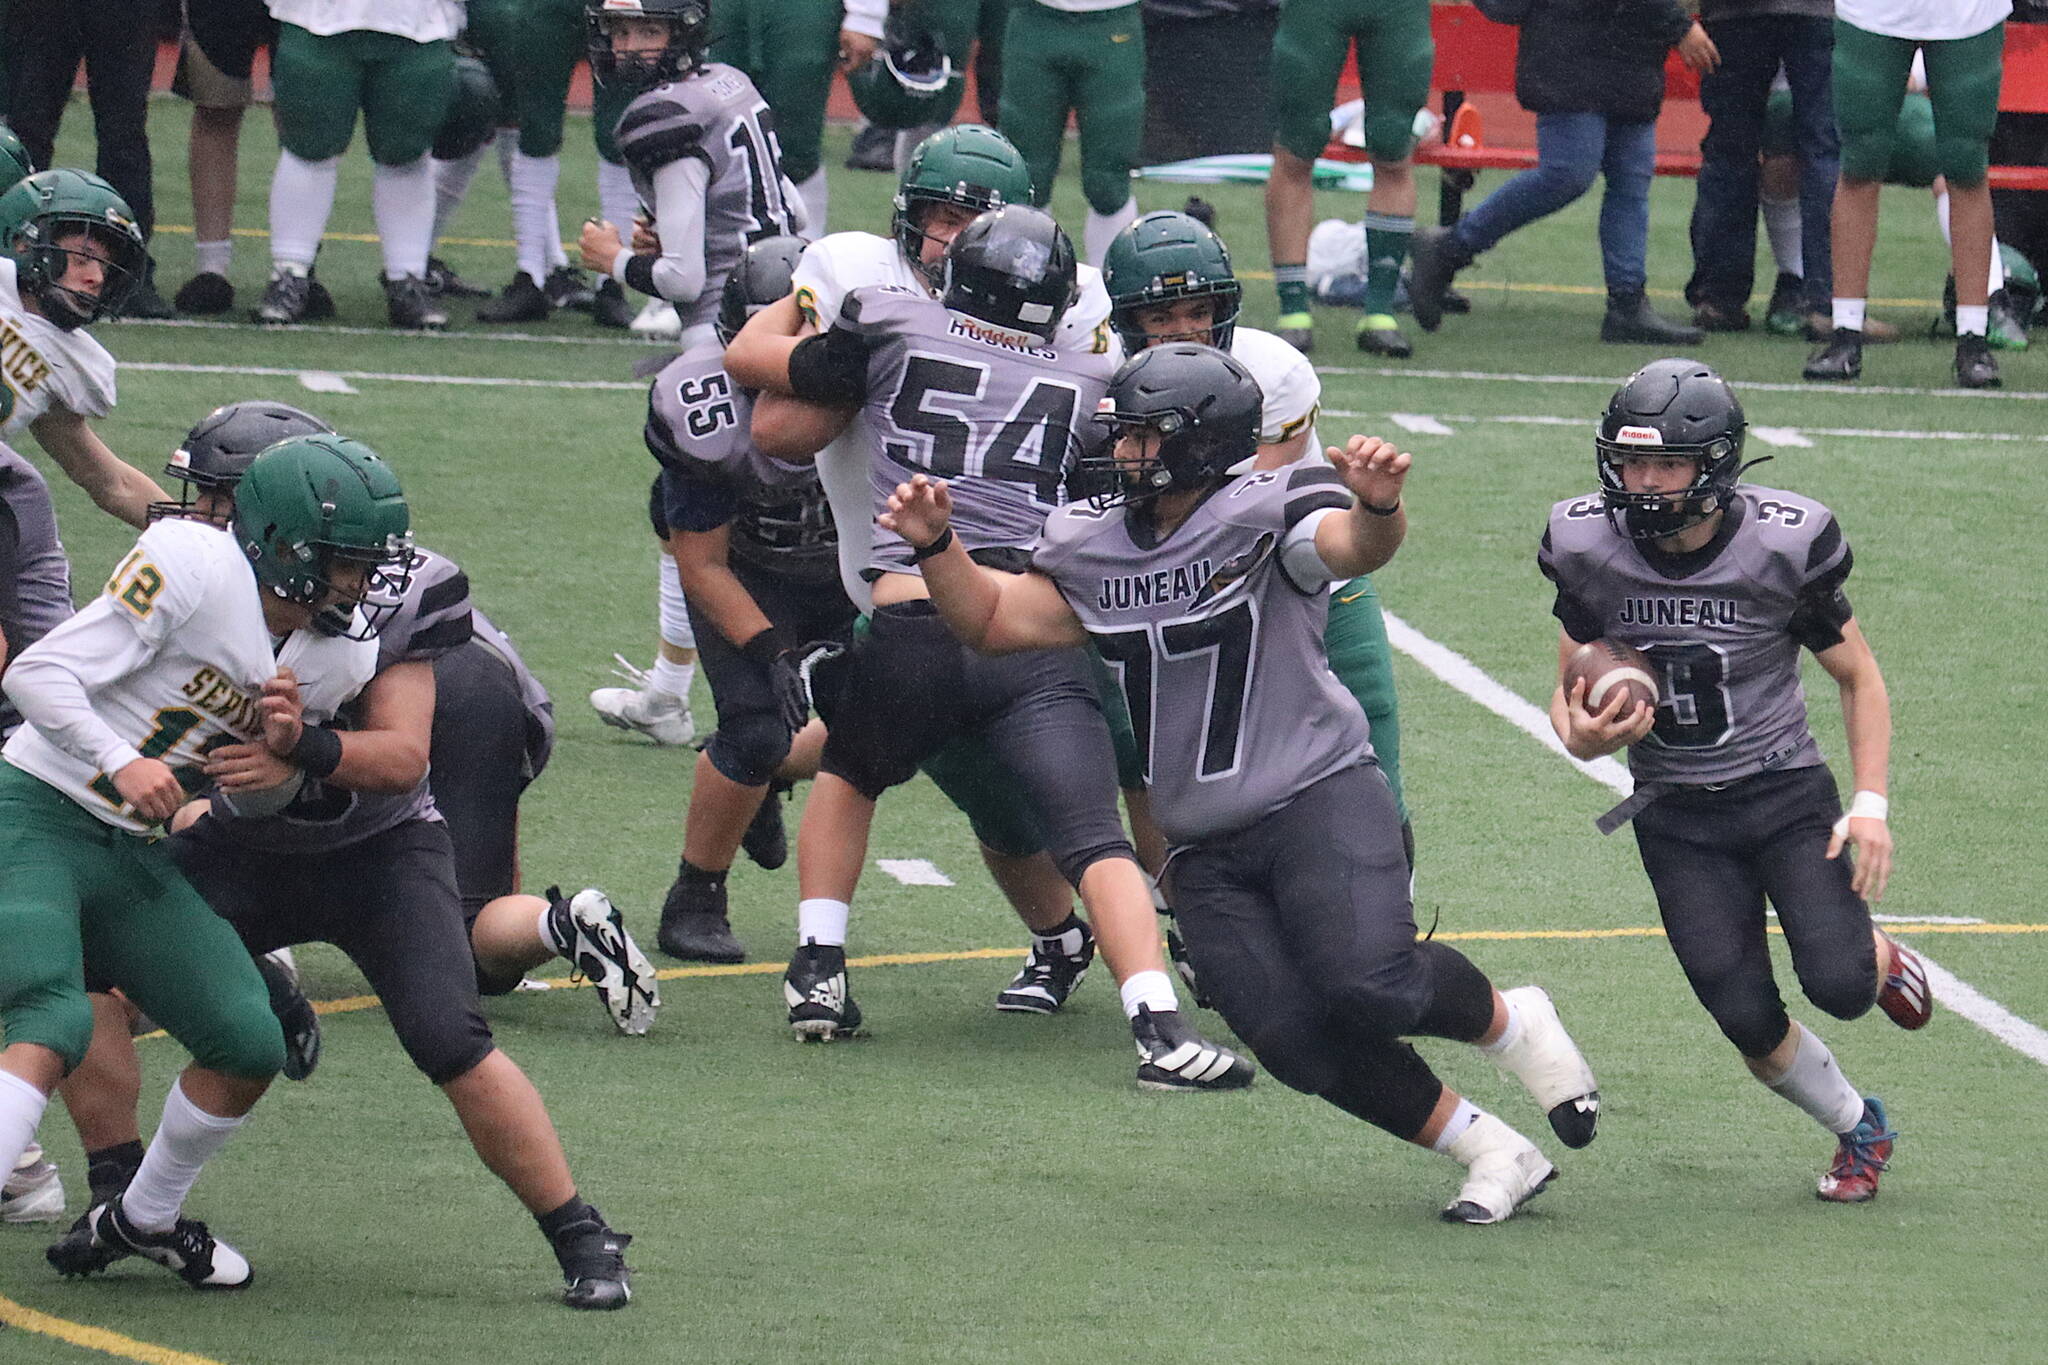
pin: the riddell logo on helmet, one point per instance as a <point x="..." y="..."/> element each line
<point x="1639" y="436"/>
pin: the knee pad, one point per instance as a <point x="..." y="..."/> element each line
<point x="57" y="1017"/>
<point x="1754" y="1023"/>
<point x="1390" y="134"/>
<point x="749" y="747"/>
<point x="1074" y="864"/>
<point x="1866" y="153"/>
<point x="249" y="1044"/>
<point x="1844" y="989"/>
<point x="1106" y="189"/>
<point x="451" y="1049"/>
<point x="1964" y="160"/>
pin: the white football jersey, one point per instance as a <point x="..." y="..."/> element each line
<point x="423" y="21"/>
<point x="833" y="267"/>
<point x="173" y="655"/>
<point x="1288" y="385"/>
<point x="43" y="366"/>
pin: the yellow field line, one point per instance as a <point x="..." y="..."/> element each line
<point x="95" y="1338"/>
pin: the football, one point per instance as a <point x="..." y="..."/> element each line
<point x="1606" y="665"/>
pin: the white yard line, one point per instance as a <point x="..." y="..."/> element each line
<point x="1607" y="381"/>
<point x="914" y="871"/>
<point x="1775" y="436"/>
<point x="385" y="376"/>
<point x="1467" y="677"/>
<point x="334" y="329"/>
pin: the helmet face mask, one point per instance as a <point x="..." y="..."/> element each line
<point x="969" y="166"/>
<point x="1160" y="259"/>
<point x="1013" y="269"/>
<point x="1670" y="408"/>
<point x="312" y="509"/>
<point x="910" y="82"/>
<point x="687" y="25"/>
<point x="77" y="251"/>
<point x="1194" y="412"/>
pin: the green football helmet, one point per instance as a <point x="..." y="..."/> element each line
<point x="971" y="165"/>
<point x="910" y="82"/>
<point x="1166" y="256"/>
<point x="14" y="163"/>
<point x="310" y="502"/>
<point x="52" y="206"/>
<point x="474" y="112"/>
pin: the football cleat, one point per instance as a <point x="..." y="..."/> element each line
<point x="1905" y="996"/>
<point x="186" y="1249"/>
<point x="820" y="1006"/>
<point x="1864" y="1152"/>
<point x="609" y="308"/>
<point x="766" y="840"/>
<point x="593" y="1260"/>
<point x="292" y="298"/>
<point x="1504" y="1172"/>
<point x="1172" y="1056"/>
<point x="1975" y="368"/>
<point x="520" y="301"/>
<point x="206" y="293"/>
<point x="1838" y="362"/>
<point x="1379" y="334"/>
<point x="694" y="926"/>
<point x="294" y="1014"/>
<point x="446" y="284"/>
<point x="566" y="287"/>
<point x="594" y="939"/>
<point x="1297" y="330"/>
<point x="661" y="716"/>
<point x="33" y="1192"/>
<point x="1048" y="978"/>
<point x="1550" y="1066"/>
<point x="657" y="318"/>
<point x="411" y="306"/>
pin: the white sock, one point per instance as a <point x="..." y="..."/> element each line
<point x="558" y="256"/>
<point x="185" y="1141"/>
<point x="214" y="257"/>
<point x="1483" y="1133"/>
<point x="402" y="201"/>
<point x="1153" y="990"/>
<point x="1849" y="313"/>
<point x="1972" y="319"/>
<point x="672" y="678"/>
<point x="532" y="180"/>
<point x="1783" y="225"/>
<point x="1509" y="1034"/>
<point x="675" y="616"/>
<point x="1816" y="1084"/>
<point x="822" y="921"/>
<point x="617" y="200"/>
<point x="301" y="198"/>
<point x="1100" y="231"/>
<point x="817" y="197"/>
<point x="1996" y="278"/>
<point x="451" y="186"/>
<point x="21" y="1112"/>
<point x="546" y="929"/>
<point x="1462" y="1118"/>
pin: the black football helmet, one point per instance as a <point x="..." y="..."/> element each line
<point x="1671" y="407"/>
<point x="764" y="275"/>
<point x="219" y="450"/>
<point x="689" y="34"/>
<point x="1014" y="269"/>
<point x="1204" y="404"/>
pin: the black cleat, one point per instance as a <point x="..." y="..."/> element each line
<point x="1049" y="978"/>
<point x="821" y="1007"/>
<point x="610" y="308"/>
<point x="295" y="1015"/>
<point x="1975" y="368"/>
<point x="205" y="294"/>
<point x="593" y="1260"/>
<point x="520" y="301"/>
<point x="1840" y="361"/>
<point x="1172" y="1056"/>
<point x="289" y="299"/>
<point x="444" y="283"/>
<point x="1378" y="334"/>
<point x="767" y="840"/>
<point x="1435" y="257"/>
<point x="412" y="307"/>
<point x="187" y="1250"/>
<point x="566" y="287"/>
<point x="694" y="926"/>
<point x="78" y="1252"/>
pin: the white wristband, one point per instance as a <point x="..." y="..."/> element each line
<point x="1865" y="805"/>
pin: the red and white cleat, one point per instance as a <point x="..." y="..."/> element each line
<point x="1904" y="996"/>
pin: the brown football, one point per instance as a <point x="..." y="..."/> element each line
<point x="1606" y="665"/>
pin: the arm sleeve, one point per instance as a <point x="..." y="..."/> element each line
<point x="1823" y="608"/>
<point x="832" y="368"/>
<point x="678" y="273"/>
<point x="1300" y="559"/>
<point x="47" y="684"/>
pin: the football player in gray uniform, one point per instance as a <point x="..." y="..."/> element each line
<point x="1721" y="583"/>
<point x="1207" y="594"/>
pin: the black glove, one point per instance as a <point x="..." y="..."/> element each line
<point x="785" y="676"/>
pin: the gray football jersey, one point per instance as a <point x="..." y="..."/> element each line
<point x="699" y="424"/>
<point x="540" y="707"/>
<point x="1219" y="653"/>
<point x="1722" y="625"/>
<point x="717" y="116"/>
<point x="432" y="617"/>
<point x="35" y="577"/>
<point x="951" y="398"/>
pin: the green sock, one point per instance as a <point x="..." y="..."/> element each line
<point x="1386" y="246"/>
<point x="1291" y="282"/>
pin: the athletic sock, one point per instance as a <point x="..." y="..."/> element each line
<point x="558" y="256"/>
<point x="214" y="258"/>
<point x="1386" y="247"/>
<point x="1814" y="1083"/>
<point x="1461" y="1120"/>
<point x="1785" y="228"/>
<point x="675" y="611"/>
<point x="451" y="186"/>
<point x="822" y="921"/>
<point x="1290" y="282"/>
<point x="672" y="678"/>
<point x="1101" y="229"/>
<point x="301" y="199"/>
<point x="110" y="1170"/>
<point x="402" y="202"/>
<point x="1483" y="1133"/>
<point x="532" y="180"/>
<point x="817" y="197"/>
<point x="617" y="200"/>
<point x="557" y="1221"/>
<point x="687" y="871"/>
<point x="1996" y="277"/>
<point x="1972" y="319"/>
<point x="1064" y="940"/>
<point x="185" y="1141"/>
<point x="1849" y="314"/>
<point x="1508" y="1035"/>
<point x="21" y="1112"/>
<point x="1151" y="989"/>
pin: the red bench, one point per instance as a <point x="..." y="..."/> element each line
<point x="1475" y="56"/>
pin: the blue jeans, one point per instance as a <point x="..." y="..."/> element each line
<point x="1735" y="96"/>
<point x="1571" y="149"/>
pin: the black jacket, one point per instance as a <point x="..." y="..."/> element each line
<point x="1592" y="56"/>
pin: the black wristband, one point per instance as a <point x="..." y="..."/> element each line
<point x="639" y="273"/>
<point x="1380" y="511"/>
<point x="763" y="650"/>
<point x="920" y="553"/>
<point x="318" y="752"/>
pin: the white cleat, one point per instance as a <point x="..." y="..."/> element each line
<point x="602" y="951"/>
<point x="658" y="319"/>
<point x="1503" y="1171"/>
<point x="1550" y="1066"/>
<point x="661" y="716"/>
<point x="33" y="1192"/>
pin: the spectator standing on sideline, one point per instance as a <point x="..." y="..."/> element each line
<point x="1754" y="37"/>
<point x="215" y="67"/>
<point x="44" y="42"/>
<point x="1963" y="44"/>
<point x="1592" y="71"/>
